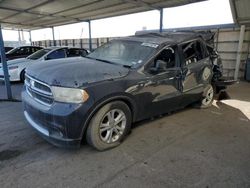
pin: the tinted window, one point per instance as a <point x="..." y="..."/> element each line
<point x="56" y="54"/>
<point x="38" y="54"/>
<point x="34" y="49"/>
<point x="74" y="52"/>
<point x="23" y="51"/>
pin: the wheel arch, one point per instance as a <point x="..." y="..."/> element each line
<point x="22" y="71"/>
<point x="119" y="97"/>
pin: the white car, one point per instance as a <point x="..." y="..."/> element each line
<point x="17" y="67"/>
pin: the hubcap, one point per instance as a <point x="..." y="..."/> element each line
<point x="112" y="126"/>
<point x="209" y="96"/>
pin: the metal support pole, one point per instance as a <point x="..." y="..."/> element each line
<point x="239" y="51"/>
<point x="53" y="34"/>
<point x="22" y="35"/>
<point x="5" y="67"/>
<point x="90" y="38"/>
<point x="161" y="20"/>
<point x="19" y="38"/>
<point x="30" y="38"/>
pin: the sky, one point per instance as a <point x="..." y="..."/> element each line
<point x="211" y="12"/>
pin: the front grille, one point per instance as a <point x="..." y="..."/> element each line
<point x="40" y="91"/>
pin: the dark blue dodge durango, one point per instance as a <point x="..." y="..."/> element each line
<point x="126" y="80"/>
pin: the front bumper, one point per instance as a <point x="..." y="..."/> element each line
<point x="61" y="124"/>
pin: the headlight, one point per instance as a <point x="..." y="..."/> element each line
<point x="13" y="67"/>
<point x="69" y="95"/>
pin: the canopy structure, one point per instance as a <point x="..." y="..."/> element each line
<point x="240" y="11"/>
<point x="37" y="14"/>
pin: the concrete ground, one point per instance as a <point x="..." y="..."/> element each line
<point x="190" y="148"/>
<point x="16" y="88"/>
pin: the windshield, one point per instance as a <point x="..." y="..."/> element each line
<point x="129" y="53"/>
<point x="38" y="54"/>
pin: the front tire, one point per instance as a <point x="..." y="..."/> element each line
<point x="22" y="76"/>
<point x="109" y="126"/>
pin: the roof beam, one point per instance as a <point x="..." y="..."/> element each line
<point x="19" y="11"/>
<point x="143" y="4"/>
<point x="233" y="10"/>
<point x="22" y="25"/>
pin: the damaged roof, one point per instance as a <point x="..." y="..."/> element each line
<point x="37" y="14"/>
<point x="170" y="37"/>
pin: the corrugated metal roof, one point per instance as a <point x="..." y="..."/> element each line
<point x="36" y="14"/>
<point x="241" y="11"/>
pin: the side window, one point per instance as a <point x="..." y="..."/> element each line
<point x="192" y="52"/>
<point x="23" y="51"/>
<point x="36" y="49"/>
<point x="167" y="57"/>
<point x="73" y="52"/>
<point x="56" y="54"/>
<point x="33" y="49"/>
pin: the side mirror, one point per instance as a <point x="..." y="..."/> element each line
<point x="160" y="66"/>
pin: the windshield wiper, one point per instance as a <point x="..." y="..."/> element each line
<point x="110" y="62"/>
<point x="103" y="60"/>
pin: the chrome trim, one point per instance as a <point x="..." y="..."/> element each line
<point x="39" y="90"/>
<point x="30" y="88"/>
<point x="35" y="125"/>
<point x="40" y="93"/>
<point x="41" y="102"/>
<point x="37" y="81"/>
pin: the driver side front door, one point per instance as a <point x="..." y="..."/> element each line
<point x="163" y="82"/>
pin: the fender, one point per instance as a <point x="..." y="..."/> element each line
<point x="114" y="97"/>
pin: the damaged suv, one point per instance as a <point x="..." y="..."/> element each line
<point x="124" y="81"/>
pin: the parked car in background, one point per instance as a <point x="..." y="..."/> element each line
<point x="17" y="67"/>
<point x="21" y="52"/>
<point x="121" y="82"/>
<point x="7" y="49"/>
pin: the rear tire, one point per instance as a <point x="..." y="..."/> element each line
<point x="109" y="126"/>
<point x="208" y="97"/>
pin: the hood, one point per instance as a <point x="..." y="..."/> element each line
<point x="17" y="61"/>
<point x="75" y="72"/>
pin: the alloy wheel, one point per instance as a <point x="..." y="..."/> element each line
<point x="112" y="126"/>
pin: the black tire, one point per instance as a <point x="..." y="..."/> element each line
<point x="22" y="76"/>
<point x="95" y="136"/>
<point x="208" y="97"/>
